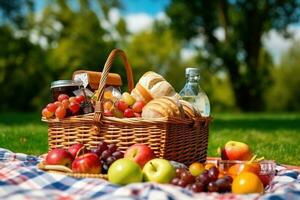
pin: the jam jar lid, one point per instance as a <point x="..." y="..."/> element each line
<point x="64" y="83"/>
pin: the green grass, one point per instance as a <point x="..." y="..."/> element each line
<point x="274" y="136"/>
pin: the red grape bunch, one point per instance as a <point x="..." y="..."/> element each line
<point x="108" y="153"/>
<point x="207" y="181"/>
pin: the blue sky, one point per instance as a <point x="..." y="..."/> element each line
<point x="151" y="7"/>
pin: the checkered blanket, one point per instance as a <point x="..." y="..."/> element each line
<point x="20" y="179"/>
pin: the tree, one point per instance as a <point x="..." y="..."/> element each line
<point x="157" y="49"/>
<point x="284" y="95"/>
<point x="21" y="62"/>
<point x="238" y="51"/>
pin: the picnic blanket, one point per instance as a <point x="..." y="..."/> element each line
<point x="21" y="179"/>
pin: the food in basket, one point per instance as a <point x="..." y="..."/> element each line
<point x="126" y="106"/>
<point x="139" y="153"/>
<point x="128" y="99"/>
<point x="152" y="85"/>
<point x="158" y="170"/>
<point x="64" y="106"/>
<point x="59" y="157"/>
<point x="189" y="110"/>
<point x="90" y="79"/>
<point x="163" y="107"/>
<point x="87" y="163"/>
<point x="124" y="171"/>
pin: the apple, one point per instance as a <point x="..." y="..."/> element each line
<point x="87" y="163"/>
<point x="121" y="105"/>
<point x="124" y="171"/>
<point x="222" y="153"/>
<point x="138" y="106"/>
<point x="129" y="113"/>
<point x="159" y="170"/>
<point x="75" y="148"/>
<point x="237" y="151"/>
<point x="128" y="99"/>
<point x="59" y="157"/>
<point x="139" y="153"/>
<point x="196" y="168"/>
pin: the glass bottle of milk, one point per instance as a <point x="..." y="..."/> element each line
<point x="193" y="93"/>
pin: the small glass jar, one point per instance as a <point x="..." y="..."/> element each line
<point x="65" y="87"/>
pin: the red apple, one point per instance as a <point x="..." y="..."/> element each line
<point x="59" y="157"/>
<point x="87" y="163"/>
<point x="75" y="148"/>
<point x="138" y="106"/>
<point x="237" y="151"/>
<point x="222" y="153"/>
<point x="140" y="153"/>
<point x="129" y="113"/>
<point x="121" y="105"/>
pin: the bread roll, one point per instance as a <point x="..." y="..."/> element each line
<point x="163" y="107"/>
<point x="152" y="85"/>
<point x="189" y="110"/>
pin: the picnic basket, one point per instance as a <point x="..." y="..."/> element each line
<point x="177" y="139"/>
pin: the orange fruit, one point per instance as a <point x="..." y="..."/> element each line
<point x="247" y="182"/>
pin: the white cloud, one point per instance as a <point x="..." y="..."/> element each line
<point x="276" y="44"/>
<point x="138" y="22"/>
<point x="142" y="21"/>
<point x="114" y="15"/>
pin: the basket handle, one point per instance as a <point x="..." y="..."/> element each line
<point x="102" y="83"/>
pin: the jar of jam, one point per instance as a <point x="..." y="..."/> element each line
<point x="65" y="87"/>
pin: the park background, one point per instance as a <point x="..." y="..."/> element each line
<point x="247" y="51"/>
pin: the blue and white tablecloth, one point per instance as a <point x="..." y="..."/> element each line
<point x="20" y="179"/>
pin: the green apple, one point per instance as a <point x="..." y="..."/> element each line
<point x="124" y="171"/>
<point x="158" y="170"/>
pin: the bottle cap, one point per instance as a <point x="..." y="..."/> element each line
<point x="192" y="71"/>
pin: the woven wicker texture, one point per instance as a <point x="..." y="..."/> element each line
<point x="181" y="140"/>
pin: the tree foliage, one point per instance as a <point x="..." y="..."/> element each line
<point x="237" y="52"/>
<point x="284" y="94"/>
<point x="158" y="50"/>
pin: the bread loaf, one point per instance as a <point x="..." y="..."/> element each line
<point x="163" y="107"/>
<point x="152" y="85"/>
<point x="189" y="110"/>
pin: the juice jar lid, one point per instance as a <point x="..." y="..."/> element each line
<point x="65" y="83"/>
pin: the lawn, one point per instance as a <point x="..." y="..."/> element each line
<point x="274" y="136"/>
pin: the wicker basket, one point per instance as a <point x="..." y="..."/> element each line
<point x="181" y="140"/>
